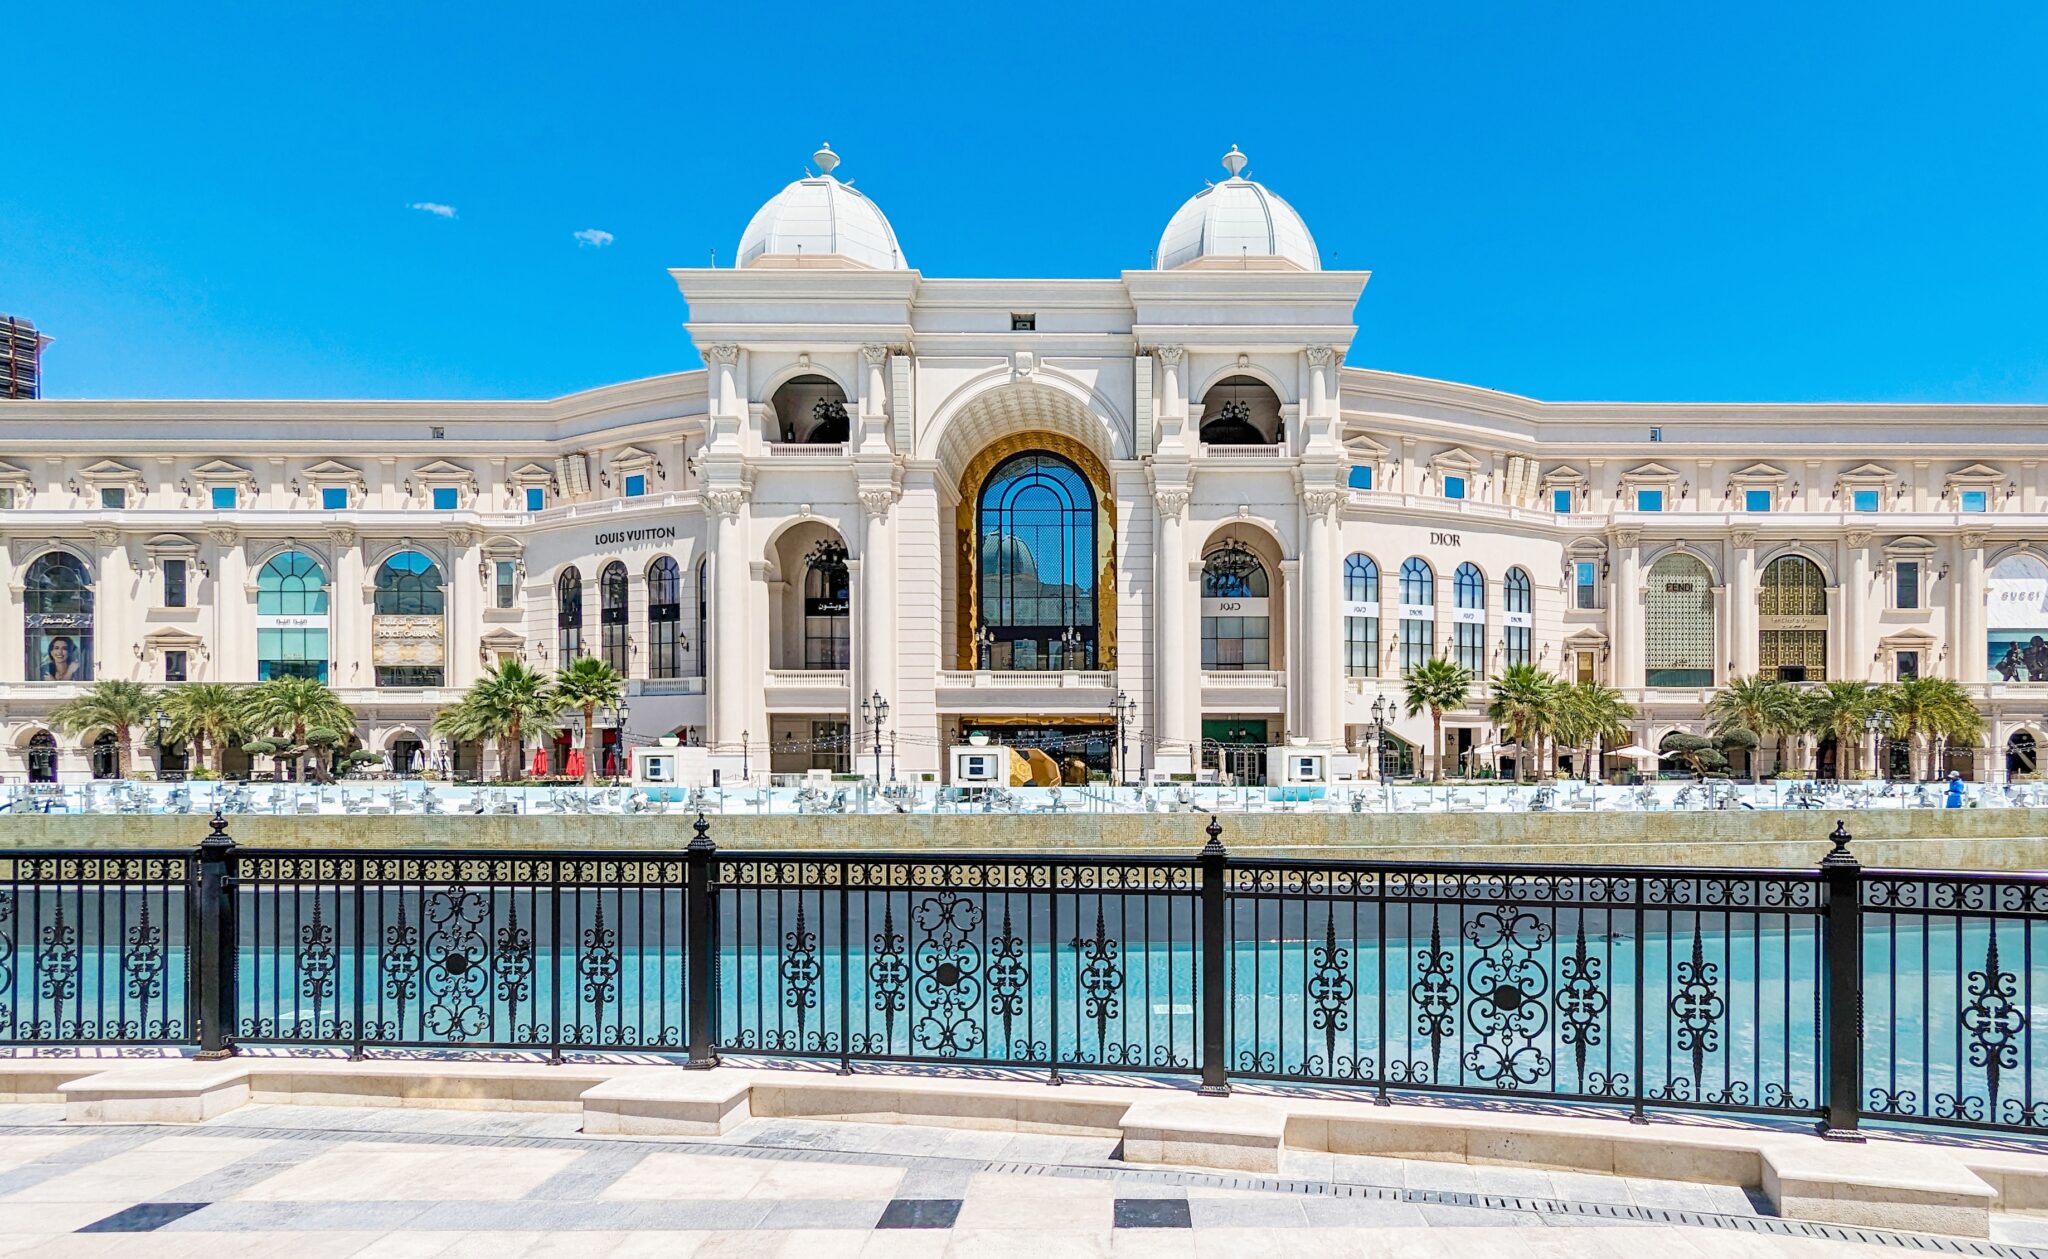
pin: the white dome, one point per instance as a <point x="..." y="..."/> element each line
<point x="1237" y="223"/>
<point x="819" y="221"/>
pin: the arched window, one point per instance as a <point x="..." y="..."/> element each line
<point x="57" y="617"/>
<point x="291" y="618"/>
<point x="1518" y="619"/>
<point x="2017" y="621"/>
<point x="409" y="637"/>
<point x="1240" y="411"/>
<point x="664" y="618"/>
<point x="568" y="615"/>
<point x="1418" y="613"/>
<point x="826" y="597"/>
<point x="1236" y="617"/>
<point x="1361" y="617"/>
<point x="42" y="757"/>
<point x="106" y="756"/>
<point x="1035" y="561"/>
<point x="703" y="614"/>
<point x="1792" y="606"/>
<point x="810" y="411"/>
<point x="1678" y="623"/>
<point x="611" y="590"/>
<point x="1468" y="617"/>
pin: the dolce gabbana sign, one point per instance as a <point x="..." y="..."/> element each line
<point x="628" y="537"/>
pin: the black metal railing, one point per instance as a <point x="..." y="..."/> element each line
<point x="1837" y="994"/>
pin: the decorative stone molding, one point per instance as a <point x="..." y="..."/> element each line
<point x="342" y="536"/>
<point x="1743" y="539"/>
<point x="878" y="501"/>
<point x="106" y="537"/>
<point x="874" y="355"/>
<point x="462" y="539"/>
<point x="1974" y="539"/>
<point x="1321" y="356"/>
<point x="1321" y="502"/>
<point x="1627" y="537"/>
<point x="1171" y="502"/>
<point x="722" y="353"/>
<point x="1859" y="537"/>
<point x="1170" y="354"/>
<point x="221" y="535"/>
<point x="725" y="500"/>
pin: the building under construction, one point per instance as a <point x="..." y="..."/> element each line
<point x="20" y="353"/>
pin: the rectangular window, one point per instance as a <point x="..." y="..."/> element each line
<point x="1361" y="646"/>
<point x="333" y="498"/>
<point x="174" y="583"/>
<point x="1360" y="477"/>
<point x="1468" y="643"/>
<point x="1863" y="500"/>
<point x="1561" y="501"/>
<point x="1907" y="664"/>
<point x="1649" y="500"/>
<point x="446" y="498"/>
<point x="174" y="666"/>
<point x="1586" y="585"/>
<point x="1585" y="667"/>
<point x="224" y="497"/>
<point x="1974" y="500"/>
<point x="507" y="590"/>
<point x="1023" y="323"/>
<point x="293" y="652"/>
<point x="1418" y="643"/>
<point x="1756" y="500"/>
<point x="536" y="498"/>
<point x="636" y="485"/>
<point x="1454" y="487"/>
<point x="1906" y="585"/>
<point x="6" y="498"/>
<point x="113" y="496"/>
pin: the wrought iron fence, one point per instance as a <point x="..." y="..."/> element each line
<point x="1836" y="993"/>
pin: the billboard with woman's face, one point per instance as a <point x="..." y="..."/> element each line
<point x="2017" y="617"/>
<point x="57" y="620"/>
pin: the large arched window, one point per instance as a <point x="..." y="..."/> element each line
<point x="2017" y="622"/>
<point x="568" y="615"/>
<point x="1792" y="607"/>
<point x="57" y="617"/>
<point x="611" y="613"/>
<point x="291" y="618"/>
<point x="703" y="614"/>
<point x="1035" y="561"/>
<point x="106" y="755"/>
<point x="1361" y="617"/>
<point x="1468" y="617"/>
<point x="1418" y="612"/>
<point x="1518" y="618"/>
<point x="811" y="411"/>
<point x="42" y="757"/>
<point x="408" y="634"/>
<point x="664" y="618"/>
<point x="1678" y="623"/>
<point x="1240" y="411"/>
<point x="1237" y="622"/>
<point x="826" y="599"/>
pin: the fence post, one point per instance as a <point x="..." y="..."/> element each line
<point x="701" y="965"/>
<point x="1211" y="974"/>
<point x="214" y="914"/>
<point x="1842" y="951"/>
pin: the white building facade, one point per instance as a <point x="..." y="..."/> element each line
<point x="1004" y="506"/>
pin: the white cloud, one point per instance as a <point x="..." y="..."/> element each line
<point x="435" y="208"/>
<point x="594" y="237"/>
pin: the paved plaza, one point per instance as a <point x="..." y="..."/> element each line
<point x="312" y="1182"/>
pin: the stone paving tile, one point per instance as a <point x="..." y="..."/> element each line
<point x="1245" y="1211"/>
<point x="1324" y="1213"/>
<point x="823" y="1213"/>
<point x="1514" y="1182"/>
<point x="1685" y="1196"/>
<point x="1371" y="1169"/>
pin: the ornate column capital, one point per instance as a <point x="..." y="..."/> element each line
<point x="1321" y="502"/>
<point x="107" y="537"/>
<point x="223" y="535"/>
<point x="1171" y="502"/>
<point x="1170" y="354"/>
<point x="725" y="500"/>
<point x="877" y="500"/>
<point x="1859" y="537"/>
<point x="723" y="352"/>
<point x="1743" y="539"/>
<point x="342" y="536"/>
<point x="1320" y="355"/>
<point x="874" y="355"/>
<point x="1627" y="537"/>
<point x="1974" y="540"/>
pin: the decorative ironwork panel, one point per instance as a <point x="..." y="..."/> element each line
<point x="1953" y="968"/>
<point x="462" y="950"/>
<point x="94" y="949"/>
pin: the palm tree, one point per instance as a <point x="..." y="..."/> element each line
<point x="501" y="706"/>
<point x="1441" y="686"/>
<point x="589" y="684"/>
<point x="304" y="710"/>
<point x="1838" y="708"/>
<point x="1764" y="706"/>
<point x="205" y="714"/>
<point x="117" y="705"/>
<point x="1522" y="707"/>
<point x="1588" y="714"/>
<point x="1930" y="708"/>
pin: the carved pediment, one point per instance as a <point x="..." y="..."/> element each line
<point x="12" y="474"/>
<point x="1456" y="459"/>
<point x="1759" y="472"/>
<point x="1975" y="473"/>
<point x="531" y="474"/>
<point x="110" y="470"/>
<point x="1563" y="475"/>
<point x="632" y="456"/>
<point x="1869" y="472"/>
<point x="1358" y="443"/>
<point x="1650" y="472"/>
<point x="220" y="471"/>
<point x="333" y="471"/>
<point x="443" y="471"/>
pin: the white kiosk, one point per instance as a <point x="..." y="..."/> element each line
<point x="1297" y="765"/>
<point x="979" y="764"/>
<point x="668" y="769"/>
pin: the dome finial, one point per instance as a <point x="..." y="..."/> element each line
<point x="825" y="159"/>
<point x="1234" y="161"/>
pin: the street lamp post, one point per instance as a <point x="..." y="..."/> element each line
<point x="1381" y="711"/>
<point x="1126" y="710"/>
<point x="1870" y="735"/>
<point x="874" y="713"/>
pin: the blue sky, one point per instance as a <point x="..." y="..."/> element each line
<point x="1599" y="200"/>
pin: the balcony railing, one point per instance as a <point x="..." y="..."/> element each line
<point x="807" y="677"/>
<point x="1027" y="679"/>
<point x="1243" y="678"/>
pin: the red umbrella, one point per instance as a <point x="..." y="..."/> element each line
<point x="575" y="766"/>
<point x="611" y="762"/>
<point x="540" y="762"/>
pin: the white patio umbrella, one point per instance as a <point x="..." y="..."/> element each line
<point x="1633" y="752"/>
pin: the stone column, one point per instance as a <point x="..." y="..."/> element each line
<point x="348" y="630"/>
<point x="1742" y="607"/>
<point x="1970" y="656"/>
<point x="1176" y="711"/>
<point x="729" y="668"/>
<point x="877" y="597"/>
<point x="1856" y="610"/>
<point x="1324" y="625"/>
<point x="873" y="431"/>
<point x="1623" y="613"/>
